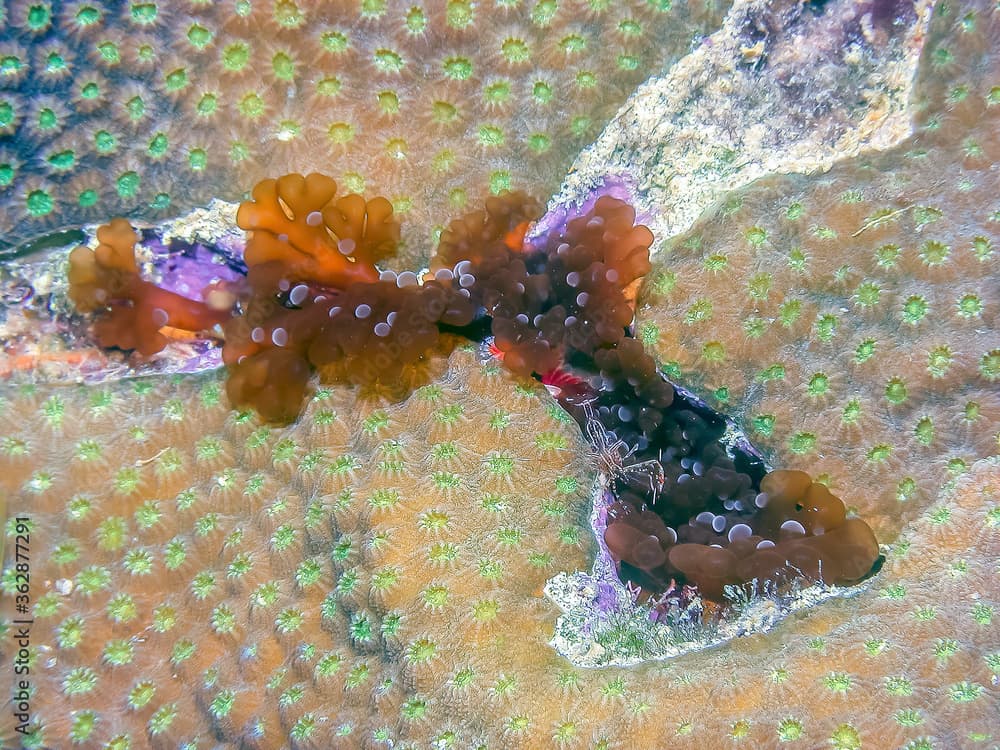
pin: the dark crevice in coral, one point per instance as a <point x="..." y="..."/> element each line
<point x="693" y="504"/>
<point x="478" y="330"/>
<point x="708" y="522"/>
<point x="40" y="244"/>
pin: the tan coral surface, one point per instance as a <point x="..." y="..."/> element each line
<point x="374" y="573"/>
<point x="194" y="572"/>
<point x="372" y="576"/>
<point x="151" y="108"/>
<point x="849" y="320"/>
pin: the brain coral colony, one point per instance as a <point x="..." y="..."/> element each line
<point x="688" y="511"/>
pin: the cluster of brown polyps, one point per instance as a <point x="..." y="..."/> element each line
<point x="689" y="510"/>
<point x="135" y="313"/>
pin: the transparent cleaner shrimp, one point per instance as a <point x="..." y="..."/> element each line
<point x="612" y="455"/>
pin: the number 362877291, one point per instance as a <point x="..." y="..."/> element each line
<point x="22" y="558"/>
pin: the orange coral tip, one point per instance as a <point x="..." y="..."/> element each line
<point x="514" y="239"/>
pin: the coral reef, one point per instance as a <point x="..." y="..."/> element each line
<point x="316" y="297"/>
<point x="298" y="230"/>
<point x="262" y="541"/>
<point x="562" y="297"/>
<point x="869" y="292"/>
<point x="134" y="313"/>
<point x="313" y="301"/>
<point x="780" y="87"/>
<point x="331" y="583"/>
<point x="46" y="339"/>
<point x="151" y="108"/>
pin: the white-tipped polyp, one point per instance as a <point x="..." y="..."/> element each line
<point x="739" y="531"/>
<point x="160" y="317"/>
<point x="298" y="294"/>
<point x="791" y="526"/>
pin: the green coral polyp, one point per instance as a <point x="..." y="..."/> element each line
<point x="515" y="51"/>
<point x="970" y="306"/>
<point x="924" y="431"/>
<point x="895" y="391"/>
<point x="144" y="14"/>
<point x="989" y="365"/>
<point x="388" y="61"/>
<point x="790" y="730"/>
<point x="915" y="309"/>
<point x="818" y="385"/>
<point x="542" y="92"/>
<point x="176" y="80"/>
<point x="39" y="203"/>
<point x="802" y="442"/>
<point x="63" y="161"/>
<point x="199" y="37"/>
<point x="79" y="680"/>
<point x="934" y="253"/>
